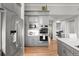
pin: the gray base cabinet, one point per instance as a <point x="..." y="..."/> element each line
<point x="35" y="41"/>
<point x="60" y="48"/>
<point x="66" y="50"/>
<point x="76" y="53"/>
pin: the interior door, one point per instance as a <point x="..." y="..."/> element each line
<point x="51" y="29"/>
<point x="19" y="36"/>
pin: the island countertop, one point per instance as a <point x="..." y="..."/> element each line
<point x="72" y="43"/>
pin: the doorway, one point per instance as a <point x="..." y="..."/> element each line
<point x="51" y="29"/>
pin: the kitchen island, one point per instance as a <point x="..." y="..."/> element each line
<point x="68" y="47"/>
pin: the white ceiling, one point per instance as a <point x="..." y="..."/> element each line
<point x="52" y="4"/>
<point x="61" y="16"/>
<point x="57" y="10"/>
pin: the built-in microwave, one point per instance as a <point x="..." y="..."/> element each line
<point x="44" y="30"/>
<point x="32" y="26"/>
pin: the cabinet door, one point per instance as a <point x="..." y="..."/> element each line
<point x="66" y="51"/>
<point x="60" y="48"/>
<point x="32" y="41"/>
<point x="28" y="41"/>
<point x="76" y="53"/>
<point x="44" y="20"/>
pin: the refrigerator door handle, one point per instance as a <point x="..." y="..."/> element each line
<point x="2" y="13"/>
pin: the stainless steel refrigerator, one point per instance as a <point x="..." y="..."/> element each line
<point x="11" y="34"/>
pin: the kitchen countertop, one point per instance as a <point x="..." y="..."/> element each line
<point x="72" y="43"/>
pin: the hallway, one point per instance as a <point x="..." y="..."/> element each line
<point x="51" y="50"/>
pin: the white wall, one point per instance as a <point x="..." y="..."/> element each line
<point x="75" y="25"/>
<point x="54" y="29"/>
<point x="68" y="27"/>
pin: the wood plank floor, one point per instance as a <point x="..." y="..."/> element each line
<point x="51" y="50"/>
